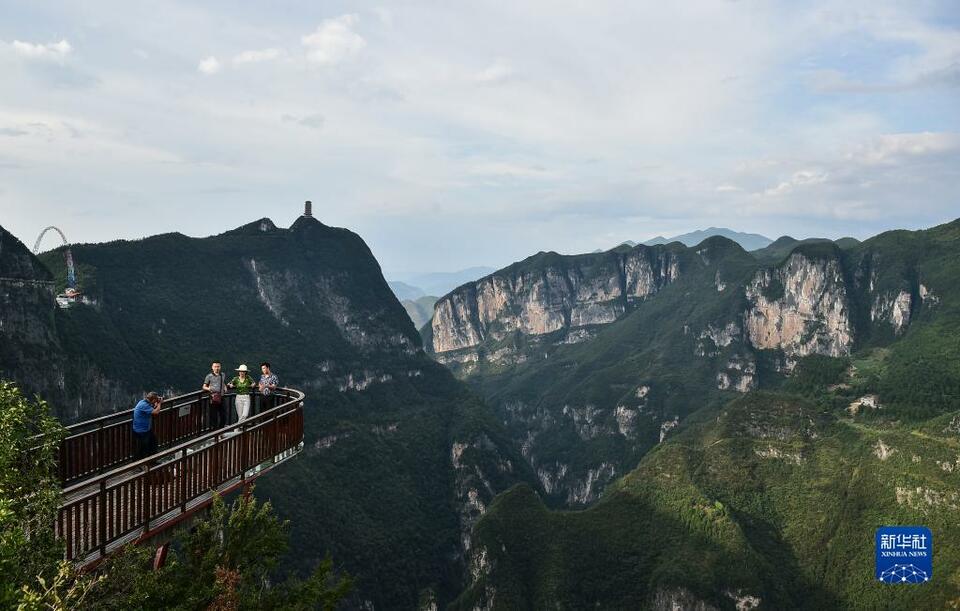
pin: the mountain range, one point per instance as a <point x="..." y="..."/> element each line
<point x="749" y="241"/>
<point x="415" y="285"/>
<point x="400" y="458"/>
<point x="655" y="426"/>
<point x="736" y="425"/>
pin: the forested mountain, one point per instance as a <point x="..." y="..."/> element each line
<point x="593" y="359"/>
<point x="769" y="502"/>
<point x="400" y="457"/>
<point x="618" y="375"/>
<point x="731" y="428"/>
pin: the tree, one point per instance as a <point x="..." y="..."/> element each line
<point x="29" y="495"/>
<point x="226" y="562"/>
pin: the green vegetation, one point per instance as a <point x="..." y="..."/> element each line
<point x="228" y="560"/>
<point x="781" y="248"/>
<point x="776" y="494"/>
<point x="655" y="345"/>
<point x="374" y="486"/>
<point x="770" y="496"/>
<point x="29" y="495"/>
<point x="817" y="374"/>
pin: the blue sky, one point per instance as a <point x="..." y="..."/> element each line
<point x="457" y="134"/>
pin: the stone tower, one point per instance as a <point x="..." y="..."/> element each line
<point x="308" y="208"/>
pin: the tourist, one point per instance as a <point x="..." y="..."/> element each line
<point x="216" y="386"/>
<point x="268" y="384"/>
<point x="143" y="413"/>
<point x="244" y="385"/>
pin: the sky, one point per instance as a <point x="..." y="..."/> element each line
<point x="454" y="134"/>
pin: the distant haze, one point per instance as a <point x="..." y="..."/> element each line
<point x="436" y="284"/>
<point x="749" y="241"/>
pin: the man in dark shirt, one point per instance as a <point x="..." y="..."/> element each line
<point x="267" y="385"/>
<point x="145" y="440"/>
<point x="216" y="386"/>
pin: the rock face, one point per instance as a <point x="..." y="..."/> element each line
<point x="29" y="344"/>
<point x="549" y="293"/>
<point x="801" y="308"/>
<point x="894" y="309"/>
<point x="558" y="344"/>
<point x="382" y="419"/>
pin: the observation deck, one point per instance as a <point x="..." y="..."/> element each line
<point x="111" y="499"/>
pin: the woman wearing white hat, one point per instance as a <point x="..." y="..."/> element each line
<point x="244" y="385"/>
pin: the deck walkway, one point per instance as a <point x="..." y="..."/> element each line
<point x="111" y="499"/>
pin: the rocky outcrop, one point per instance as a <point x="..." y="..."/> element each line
<point x="739" y="373"/>
<point x="894" y="309"/>
<point x="801" y="307"/>
<point x="474" y="488"/>
<point x="549" y="293"/>
<point x="29" y="344"/>
<point x="676" y="599"/>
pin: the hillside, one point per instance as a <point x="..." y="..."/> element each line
<point x="400" y="458"/>
<point x="30" y="348"/>
<point x="770" y="501"/>
<point x="588" y="376"/>
<point x="419" y="310"/>
<point x="784" y="245"/>
<point x="749" y="499"/>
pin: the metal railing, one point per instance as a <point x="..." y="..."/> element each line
<point x="110" y="498"/>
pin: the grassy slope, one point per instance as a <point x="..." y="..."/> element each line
<point x="706" y="512"/>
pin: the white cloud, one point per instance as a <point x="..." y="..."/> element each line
<point x="500" y="70"/>
<point x="891" y="148"/>
<point x="257" y="55"/>
<point x="56" y="51"/>
<point x="509" y="170"/>
<point x="610" y="112"/>
<point x="800" y="178"/>
<point x="334" y="40"/>
<point x="313" y="121"/>
<point x="209" y="65"/>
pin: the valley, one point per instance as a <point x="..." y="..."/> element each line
<point x="647" y="427"/>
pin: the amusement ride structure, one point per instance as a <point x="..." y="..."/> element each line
<point x="72" y="294"/>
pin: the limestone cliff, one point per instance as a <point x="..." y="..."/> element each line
<point x="800" y="307"/>
<point x="29" y="345"/>
<point x="591" y="360"/>
<point x="549" y="293"/>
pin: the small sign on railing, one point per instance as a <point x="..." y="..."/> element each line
<point x="184" y="410"/>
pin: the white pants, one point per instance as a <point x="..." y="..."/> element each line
<point x="242" y="403"/>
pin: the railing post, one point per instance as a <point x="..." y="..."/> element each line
<point x="182" y="474"/>
<point x="243" y="452"/>
<point x="102" y="528"/>
<point x="145" y="499"/>
<point x="100" y="448"/>
<point x="274" y="439"/>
